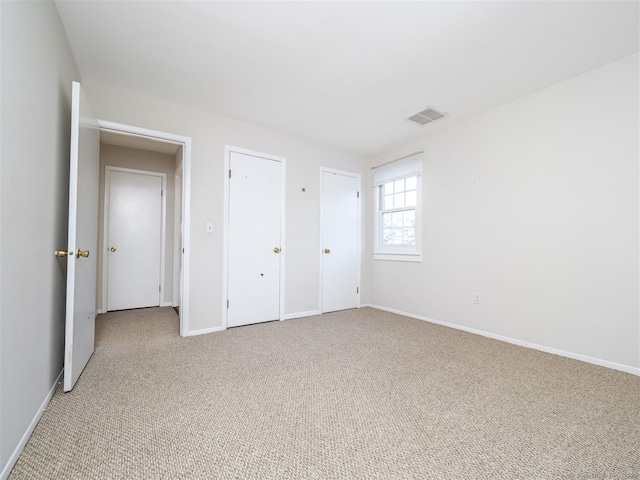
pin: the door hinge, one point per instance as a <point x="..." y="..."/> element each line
<point x="357" y="289"/>
<point x="358" y="194"/>
<point x="227" y="303"/>
<point x="159" y="288"/>
<point x="162" y="193"/>
<point x="229" y="173"/>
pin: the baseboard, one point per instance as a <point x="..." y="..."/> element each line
<point x="167" y="304"/>
<point x="288" y="316"/>
<point x="575" y="356"/>
<point x="202" y="331"/>
<point x="6" y="470"/>
<point x="310" y="313"/>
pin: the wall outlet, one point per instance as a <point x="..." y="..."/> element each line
<point x="476" y="298"/>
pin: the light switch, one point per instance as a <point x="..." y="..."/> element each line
<point x="209" y="228"/>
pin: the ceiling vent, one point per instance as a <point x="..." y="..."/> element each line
<point x="428" y="115"/>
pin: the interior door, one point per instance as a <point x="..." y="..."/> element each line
<point x="254" y="261"/>
<point x="134" y="247"/>
<point x="340" y="240"/>
<point x="82" y="244"/>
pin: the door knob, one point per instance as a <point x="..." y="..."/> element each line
<point x="113" y="249"/>
<point x="60" y="253"/>
<point x="276" y="250"/>
<point x="82" y="253"/>
<point x="326" y="250"/>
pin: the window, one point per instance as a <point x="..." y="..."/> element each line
<point x="397" y="189"/>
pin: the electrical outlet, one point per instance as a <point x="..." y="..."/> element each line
<point x="476" y="298"/>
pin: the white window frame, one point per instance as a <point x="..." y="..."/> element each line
<point x="405" y="168"/>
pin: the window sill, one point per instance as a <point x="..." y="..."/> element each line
<point x="398" y="257"/>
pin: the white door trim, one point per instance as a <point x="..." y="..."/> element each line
<point x="186" y="204"/>
<point x="228" y="149"/>
<point x="324" y="170"/>
<point x="106" y="224"/>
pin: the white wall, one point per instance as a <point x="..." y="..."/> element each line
<point x="37" y="70"/>
<point x="210" y="134"/>
<point x="118" y="156"/>
<point x="534" y="205"/>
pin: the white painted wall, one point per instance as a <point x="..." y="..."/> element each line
<point x="118" y="156"/>
<point x="210" y="134"/>
<point x="37" y="70"/>
<point x="534" y="205"/>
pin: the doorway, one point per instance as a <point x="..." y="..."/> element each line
<point x="175" y="282"/>
<point x="340" y="234"/>
<point x="254" y="243"/>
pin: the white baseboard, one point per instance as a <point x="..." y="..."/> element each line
<point x="202" y="331"/>
<point x="165" y="304"/>
<point x="310" y="313"/>
<point x="521" y="343"/>
<point x="6" y="470"/>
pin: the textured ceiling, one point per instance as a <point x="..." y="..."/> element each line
<point x="346" y="74"/>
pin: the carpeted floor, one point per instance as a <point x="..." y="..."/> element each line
<point x="359" y="394"/>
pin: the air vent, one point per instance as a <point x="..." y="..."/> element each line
<point x="426" y="116"/>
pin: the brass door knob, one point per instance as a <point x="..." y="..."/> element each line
<point x="276" y="250"/>
<point x="326" y="250"/>
<point x="60" y="253"/>
<point x="113" y="249"/>
<point x="82" y="253"/>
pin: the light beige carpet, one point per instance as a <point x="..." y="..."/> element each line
<point x="360" y="394"/>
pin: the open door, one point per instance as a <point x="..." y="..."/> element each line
<point x="82" y="244"/>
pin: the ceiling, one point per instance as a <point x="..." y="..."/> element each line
<point x="345" y="74"/>
<point x="139" y="142"/>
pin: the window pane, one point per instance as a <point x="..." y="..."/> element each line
<point x="412" y="198"/>
<point x="388" y="202"/>
<point x="388" y="188"/>
<point x="398" y="186"/>
<point x="386" y="220"/>
<point x="409" y="218"/>
<point x="398" y="200"/>
<point x="408" y="236"/>
<point x="411" y="183"/>
<point x="386" y="236"/>
<point x="397" y="219"/>
<point x="392" y="236"/>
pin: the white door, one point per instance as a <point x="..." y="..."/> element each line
<point x="134" y="246"/>
<point x="82" y="238"/>
<point x="255" y="242"/>
<point x="340" y="240"/>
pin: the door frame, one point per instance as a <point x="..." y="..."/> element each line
<point x="185" y="142"/>
<point x="324" y="170"/>
<point x="228" y="150"/>
<point x="106" y="225"/>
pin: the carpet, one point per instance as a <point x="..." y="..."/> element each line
<point x="358" y="394"/>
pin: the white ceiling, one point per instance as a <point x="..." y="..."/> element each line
<point x="138" y="142"/>
<point x="343" y="73"/>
